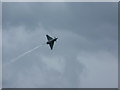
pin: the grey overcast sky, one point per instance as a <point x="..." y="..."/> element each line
<point x="85" y="55"/>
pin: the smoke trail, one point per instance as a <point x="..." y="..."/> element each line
<point x="23" y="54"/>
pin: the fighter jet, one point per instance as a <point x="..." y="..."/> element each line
<point x="51" y="41"/>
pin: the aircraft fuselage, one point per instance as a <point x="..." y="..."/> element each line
<point x="48" y="42"/>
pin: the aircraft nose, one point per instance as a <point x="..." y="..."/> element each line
<point x="55" y="38"/>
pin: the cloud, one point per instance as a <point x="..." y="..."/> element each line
<point x="51" y="67"/>
<point x="87" y="45"/>
<point x="101" y="67"/>
<point x="57" y="66"/>
<point x="65" y="14"/>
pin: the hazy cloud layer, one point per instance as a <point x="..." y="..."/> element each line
<point x="85" y="54"/>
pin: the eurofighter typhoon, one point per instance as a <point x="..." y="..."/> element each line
<point x="51" y="41"/>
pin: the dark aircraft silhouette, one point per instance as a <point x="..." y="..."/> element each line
<point x="51" y="41"/>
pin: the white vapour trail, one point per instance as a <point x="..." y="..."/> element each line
<point x="23" y="54"/>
